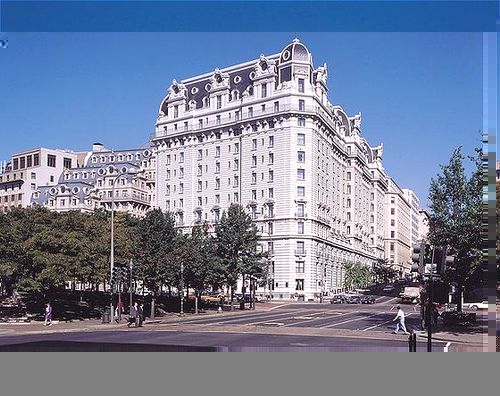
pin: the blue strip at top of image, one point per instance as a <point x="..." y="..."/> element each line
<point x="248" y="16"/>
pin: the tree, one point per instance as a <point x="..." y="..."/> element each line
<point x="236" y="240"/>
<point x="383" y="271"/>
<point x="455" y="218"/>
<point x="498" y="232"/>
<point x="156" y="236"/>
<point x="357" y="275"/>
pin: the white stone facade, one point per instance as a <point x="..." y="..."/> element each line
<point x="414" y="202"/>
<point x="264" y="134"/>
<point x="397" y="228"/>
<point x="122" y="178"/>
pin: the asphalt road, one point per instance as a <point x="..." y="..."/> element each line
<point x="163" y="341"/>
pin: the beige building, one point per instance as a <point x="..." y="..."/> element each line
<point x="414" y="202"/>
<point x="397" y="228"/>
<point x="26" y="172"/>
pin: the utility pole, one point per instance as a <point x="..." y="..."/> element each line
<point x="181" y="292"/>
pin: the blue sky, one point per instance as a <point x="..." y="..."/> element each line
<point x="420" y="94"/>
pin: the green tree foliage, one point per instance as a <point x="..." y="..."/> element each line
<point x="383" y="271"/>
<point x="455" y="218"/>
<point x="237" y="240"/>
<point x="157" y="241"/>
<point x="357" y="275"/>
<point x="498" y="231"/>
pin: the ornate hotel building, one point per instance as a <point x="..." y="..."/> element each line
<point x="264" y="134"/>
<point x="123" y="179"/>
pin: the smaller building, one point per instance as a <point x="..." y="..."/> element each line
<point x="423" y="225"/>
<point x="123" y="179"/>
<point x="30" y="170"/>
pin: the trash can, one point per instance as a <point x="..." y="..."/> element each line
<point x="242" y="305"/>
<point x="106" y="316"/>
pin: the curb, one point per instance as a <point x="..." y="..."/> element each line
<point x="443" y="337"/>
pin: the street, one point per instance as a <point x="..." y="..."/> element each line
<point x="271" y="327"/>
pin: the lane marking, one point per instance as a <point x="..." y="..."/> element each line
<point x="311" y="320"/>
<point x="445" y="349"/>
<point x="264" y="321"/>
<point x="348" y="321"/>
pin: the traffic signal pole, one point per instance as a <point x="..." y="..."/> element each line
<point x="429" y="315"/>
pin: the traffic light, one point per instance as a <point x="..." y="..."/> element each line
<point x="418" y="258"/>
<point x="119" y="274"/>
<point x="443" y="259"/>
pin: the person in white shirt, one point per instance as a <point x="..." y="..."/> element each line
<point x="400" y="321"/>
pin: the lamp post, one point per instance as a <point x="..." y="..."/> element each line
<point x="130" y="288"/>
<point x="112" y="247"/>
<point x="181" y="291"/>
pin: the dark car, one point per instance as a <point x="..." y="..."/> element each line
<point x="354" y="300"/>
<point x="337" y="299"/>
<point x="368" y="300"/>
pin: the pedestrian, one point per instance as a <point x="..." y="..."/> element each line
<point x="400" y="321"/>
<point x="132" y="315"/>
<point x="140" y="313"/>
<point x="120" y="307"/>
<point x="48" y="315"/>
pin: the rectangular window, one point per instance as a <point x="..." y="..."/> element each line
<point x="236" y="165"/>
<point x="15" y="165"/>
<point x="51" y="160"/>
<point x="263" y="108"/>
<point x="271" y="175"/>
<point x="236" y="181"/>
<point x="200" y="186"/>
<point x="22" y="163"/>
<point x="393" y="211"/>
<point x="186" y="125"/>
<point x="302" y="105"/>
<point x="254" y="194"/>
<point x="236" y="197"/>
<point x="200" y="123"/>
<point x="33" y="175"/>
<point x="254" y="144"/>
<point x="250" y="112"/>
<point x="254" y="160"/>
<point x="176" y="111"/>
<point x="264" y="91"/>
<point x="301" y="121"/>
<point x="52" y="179"/>
<point x="392" y="222"/>
<point x="29" y="160"/>
<point x="300" y="227"/>
<point x="348" y="216"/>
<point x="301" y="174"/>
<point x="299" y="284"/>
<point x="301" y="139"/>
<point x="217" y="120"/>
<point x="200" y="154"/>
<point x="300" y="210"/>
<point x="348" y="176"/>
<point x="181" y="188"/>
<point x="217" y="199"/>
<point x="217" y="184"/>
<point x="271" y="158"/>
<point x="301" y="156"/>
<point x="217" y="167"/>
<point x="236" y="148"/>
<point x="299" y="267"/>
<point x="181" y="158"/>
<point x="392" y="234"/>
<point x="217" y="151"/>
<point x="36" y="159"/>
<point x="276" y="107"/>
<point x="392" y="246"/>
<point x="200" y="201"/>
<point x="254" y="177"/>
<point x="301" y="191"/>
<point x="200" y="170"/>
<point x="270" y="228"/>
<point x="219" y="102"/>
<point x="301" y="85"/>
<point x="271" y="193"/>
<point x="237" y="115"/>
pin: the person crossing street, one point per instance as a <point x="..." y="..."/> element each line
<point x="400" y="321"/>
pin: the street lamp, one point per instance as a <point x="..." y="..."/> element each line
<point x="112" y="253"/>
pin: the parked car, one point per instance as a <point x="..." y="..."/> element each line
<point x="477" y="305"/>
<point x="388" y="289"/>
<point x="337" y="299"/>
<point x="368" y="300"/>
<point x="354" y="300"/>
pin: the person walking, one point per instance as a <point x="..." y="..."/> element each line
<point x="133" y="315"/>
<point x="48" y="315"/>
<point x="400" y="321"/>
<point x="140" y="313"/>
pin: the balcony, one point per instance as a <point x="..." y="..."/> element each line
<point x="301" y="215"/>
<point x="300" y="252"/>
